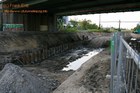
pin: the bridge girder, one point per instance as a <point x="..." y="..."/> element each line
<point x="74" y="7"/>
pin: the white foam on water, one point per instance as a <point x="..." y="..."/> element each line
<point x="77" y="63"/>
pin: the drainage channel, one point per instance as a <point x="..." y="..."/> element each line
<point x="77" y="63"/>
<point x="37" y="55"/>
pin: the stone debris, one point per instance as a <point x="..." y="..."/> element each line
<point x="14" y="79"/>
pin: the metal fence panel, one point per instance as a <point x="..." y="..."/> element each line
<point x="125" y="65"/>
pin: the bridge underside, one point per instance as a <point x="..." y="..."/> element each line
<point x="33" y="22"/>
<point x="74" y="7"/>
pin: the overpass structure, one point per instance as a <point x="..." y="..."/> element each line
<point x="54" y="9"/>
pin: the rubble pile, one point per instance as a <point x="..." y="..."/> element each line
<point x="14" y="79"/>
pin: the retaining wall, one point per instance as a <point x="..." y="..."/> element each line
<point x="32" y="47"/>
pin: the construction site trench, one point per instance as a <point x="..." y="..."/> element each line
<point x="33" y="62"/>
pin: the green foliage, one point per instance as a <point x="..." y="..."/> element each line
<point x="74" y="23"/>
<point x="86" y="24"/>
<point x="60" y="24"/>
<point x="69" y="28"/>
<point x="93" y="30"/>
<point x="137" y="27"/>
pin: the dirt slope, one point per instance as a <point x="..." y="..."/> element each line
<point x="76" y="82"/>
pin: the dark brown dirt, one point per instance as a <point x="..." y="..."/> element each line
<point x="52" y="68"/>
<point x="95" y="78"/>
<point x="90" y="77"/>
<point x="59" y="76"/>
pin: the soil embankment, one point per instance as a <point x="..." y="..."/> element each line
<point x="32" y="47"/>
<point x="49" y="78"/>
<point x="49" y="71"/>
<point x="90" y="78"/>
<point x="11" y="41"/>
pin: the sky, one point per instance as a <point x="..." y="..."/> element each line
<point x="134" y="17"/>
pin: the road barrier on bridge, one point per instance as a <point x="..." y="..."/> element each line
<point x="125" y="66"/>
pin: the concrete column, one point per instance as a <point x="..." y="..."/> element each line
<point x="52" y="23"/>
<point x="32" y="22"/>
<point x="7" y="18"/>
<point x="11" y="15"/>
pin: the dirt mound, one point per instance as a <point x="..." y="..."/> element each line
<point x="95" y="79"/>
<point x="14" y="79"/>
<point x="100" y="42"/>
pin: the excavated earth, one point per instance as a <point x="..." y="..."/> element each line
<point x="48" y="77"/>
<point x="39" y="79"/>
<point x="95" y="79"/>
<point x="14" y="79"/>
<point x="90" y="77"/>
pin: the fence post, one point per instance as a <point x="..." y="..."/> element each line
<point x="119" y="69"/>
<point x="112" y="65"/>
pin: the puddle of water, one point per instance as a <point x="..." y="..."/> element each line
<point x="77" y="64"/>
<point x="133" y="39"/>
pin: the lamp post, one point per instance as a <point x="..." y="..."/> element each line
<point x="119" y="25"/>
<point x="99" y="21"/>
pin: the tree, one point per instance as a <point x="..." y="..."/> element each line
<point x="60" y="23"/>
<point x="81" y="25"/>
<point x="74" y="23"/>
<point x="92" y="26"/>
<point x="86" y="24"/>
<point x="137" y="27"/>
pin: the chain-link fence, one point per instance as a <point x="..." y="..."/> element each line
<point x="125" y="65"/>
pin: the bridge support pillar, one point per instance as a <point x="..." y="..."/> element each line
<point x="33" y="22"/>
<point x="52" y="23"/>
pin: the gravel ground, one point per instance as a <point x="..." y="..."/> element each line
<point x="14" y="79"/>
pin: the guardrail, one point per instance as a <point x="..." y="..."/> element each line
<point x="125" y="66"/>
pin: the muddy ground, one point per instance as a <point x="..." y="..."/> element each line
<point x="91" y="80"/>
<point x="95" y="79"/>
<point x="50" y="70"/>
<point x="90" y="77"/>
<point x="52" y="67"/>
